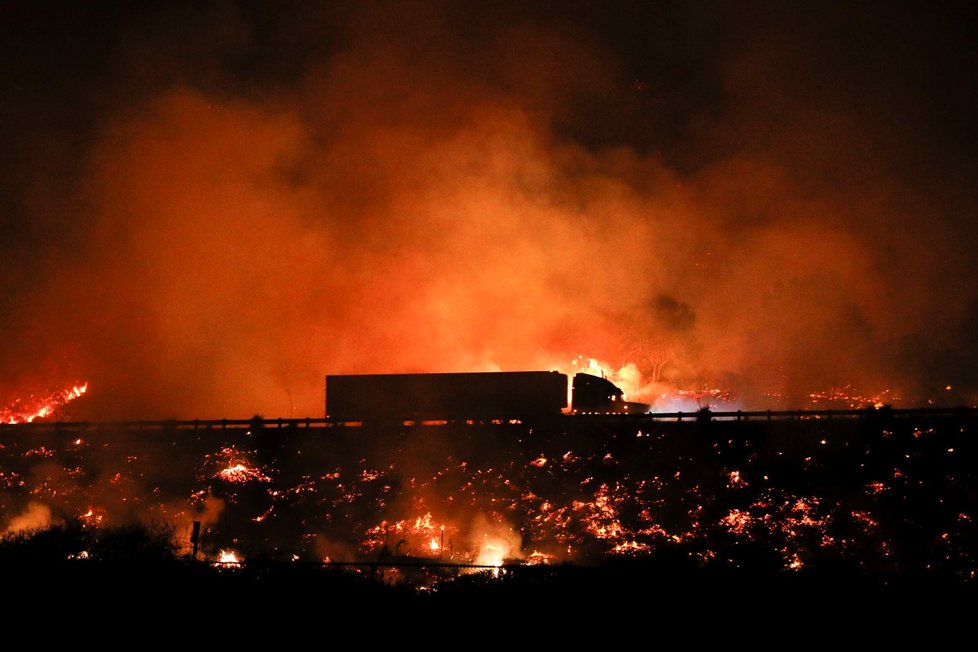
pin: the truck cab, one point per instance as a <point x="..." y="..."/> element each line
<point x="594" y="395"/>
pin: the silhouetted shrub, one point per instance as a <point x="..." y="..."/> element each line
<point x="72" y="541"/>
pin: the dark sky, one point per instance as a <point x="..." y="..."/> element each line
<point x="206" y="207"/>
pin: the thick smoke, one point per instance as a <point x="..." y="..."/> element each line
<point x="206" y="210"/>
<point x="36" y="516"/>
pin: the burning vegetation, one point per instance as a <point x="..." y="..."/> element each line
<point x="881" y="497"/>
<point x="28" y="408"/>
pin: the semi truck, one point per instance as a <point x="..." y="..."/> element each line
<point x="478" y="396"/>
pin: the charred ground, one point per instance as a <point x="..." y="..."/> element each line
<point x="566" y="506"/>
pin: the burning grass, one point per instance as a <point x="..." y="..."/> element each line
<point x="875" y="498"/>
<point x="29" y="408"/>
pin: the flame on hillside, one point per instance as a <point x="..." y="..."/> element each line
<point x="31" y="408"/>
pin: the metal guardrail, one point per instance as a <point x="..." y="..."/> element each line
<point x="373" y="565"/>
<point x="701" y="415"/>
<point x="771" y="415"/>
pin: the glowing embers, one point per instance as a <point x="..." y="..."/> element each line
<point x="876" y="487"/>
<point x="692" y="400"/>
<point x="241" y="473"/>
<point x="236" y="468"/>
<point x="794" y="526"/>
<point x="865" y="520"/>
<point x="600" y="516"/>
<point x="737" y="521"/>
<point x="621" y="519"/>
<point x="736" y="481"/>
<point x="847" y="397"/>
<point x="631" y="548"/>
<point x="607" y="497"/>
<point x="31" y="408"/>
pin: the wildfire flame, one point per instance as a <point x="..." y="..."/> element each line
<point x="28" y="409"/>
<point x="422" y="534"/>
<point x="93" y="517"/>
<point x="491" y="553"/>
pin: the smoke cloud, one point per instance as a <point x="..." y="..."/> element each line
<point x="206" y="210"/>
<point x="36" y="516"/>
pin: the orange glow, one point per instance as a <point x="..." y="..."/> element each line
<point x="491" y="553"/>
<point x="537" y="558"/>
<point x="29" y="409"/>
<point x="229" y="558"/>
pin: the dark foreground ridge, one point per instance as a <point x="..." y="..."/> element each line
<point x="667" y="596"/>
